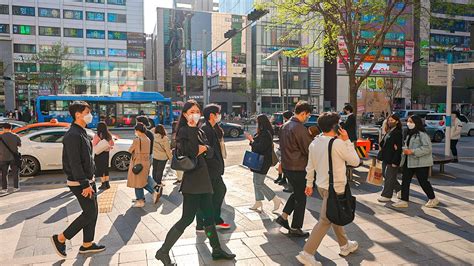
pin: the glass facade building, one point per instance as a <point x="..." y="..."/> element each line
<point x="241" y="7"/>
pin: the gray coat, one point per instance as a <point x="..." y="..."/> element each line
<point x="422" y="155"/>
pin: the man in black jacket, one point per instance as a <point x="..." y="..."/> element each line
<point x="350" y="124"/>
<point x="78" y="165"/>
<point x="215" y="164"/>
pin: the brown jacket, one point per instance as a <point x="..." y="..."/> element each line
<point x="294" y="144"/>
<point x="140" y="151"/>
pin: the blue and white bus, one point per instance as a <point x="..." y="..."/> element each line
<point x="116" y="111"/>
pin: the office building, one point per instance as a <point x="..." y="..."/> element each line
<point x="180" y="39"/>
<point x="197" y="5"/>
<point x="104" y="36"/>
<point x="240" y="7"/>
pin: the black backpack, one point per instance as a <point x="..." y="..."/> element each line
<point x="340" y="209"/>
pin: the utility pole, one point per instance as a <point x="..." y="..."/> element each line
<point x="205" y="96"/>
<point x="287" y="83"/>
<point x="28" y="88"/>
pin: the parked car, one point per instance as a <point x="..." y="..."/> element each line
<point x="30" y="128"/>
<point x="42" y="150"/>
<point x="312" y="120"/>
<point x="277" y="122"/>
<point x="232" y="130"/>
<point x="436" y="133"/>
<point x="15" y="124"/>
<point x="439" y="120"/>
<point x="404" y="114"/>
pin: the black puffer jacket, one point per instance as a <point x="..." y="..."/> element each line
<point x="263" y="145"/>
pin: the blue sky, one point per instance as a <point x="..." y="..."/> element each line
<point x="150" y="12"/>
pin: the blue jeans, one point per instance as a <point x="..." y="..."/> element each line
<point x="262" y="191"/>
<point x="140" y="194"/>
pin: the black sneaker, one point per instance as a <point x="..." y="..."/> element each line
<point x="94" y="248"/>
<point x="298" y="233"/>
<point x="282" y="222"/>
<point x="59" y="247"/>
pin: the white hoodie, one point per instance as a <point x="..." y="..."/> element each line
<point x="456" y="129"/>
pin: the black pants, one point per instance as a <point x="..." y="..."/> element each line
<point x="192" y="203"/>
<point x="220" y="190"/>
<point x="158" y="169"/>
<point x="297" y="200"/>
<point x="454" y="149"/>
<point x="88" y="218"/>
<point x="422" y="176"/>
<point x="5" y="166"/>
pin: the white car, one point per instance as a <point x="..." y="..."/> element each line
<point x="42" y="150"/>
<point x="438" y="120"/>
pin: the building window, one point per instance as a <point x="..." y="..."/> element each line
<point x="117" y="2"/>
<point x="4" y="9"/>
<point x="72" y="14"/>
<point x="23" y="11"/>
<point x="114" y="17"/>
<point x="95" y="16"/>
<point x="49" y="12"/>
<point x="96" y="51"/>
<point x="95" y="34"/>
<point x="24" y="29"/>
<point x="118" y="52"/>
<point x="76" y="50"/>
<point x="4" y="28"/>
<point x="96" y="1"/>
<point x="49" y="31"/>
<point x="75" y="33"/>
<point x="25" y="67"/>
<point x="24" y="48"/>
<point x="117" y="35"/>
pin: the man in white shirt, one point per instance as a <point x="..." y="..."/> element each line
<point x="343" y="153"/>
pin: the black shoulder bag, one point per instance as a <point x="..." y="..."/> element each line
<point x="16" y="156"/>
<point x="137" y="168"/>
<point x="181" y="162"/>
<point x="340" y="209"/>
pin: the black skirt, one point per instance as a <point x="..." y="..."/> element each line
<point x="102" y="164"/>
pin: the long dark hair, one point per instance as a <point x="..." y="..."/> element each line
<point x="396" y="118"/>
<point x="160" y="129"/>
<point x="419" y="127"/>
<point x="182" y="120"/>
<point x="103" y="132"/>
<point x="263" y="124"/>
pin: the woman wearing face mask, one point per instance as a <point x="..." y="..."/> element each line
<point x="391" y="154"/>
<point x="101" y="160"/>
<point x="416" y="160"/>
<point x="140" y="151"/>
<point x="196" y="185"/>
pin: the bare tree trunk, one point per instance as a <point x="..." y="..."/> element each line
<point x="353" y="91"/>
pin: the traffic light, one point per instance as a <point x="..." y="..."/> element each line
<point x="256" y="14"/>
<point x="230" y="33"/>
<point x="178" y="90"/>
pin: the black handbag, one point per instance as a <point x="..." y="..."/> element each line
<point x="16" y="156"/>
<point x="182" y="163"/>
<point x="340" y="209"/>
<point x="137" y="168"/>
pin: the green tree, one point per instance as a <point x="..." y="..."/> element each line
<point x="55" y="68"/>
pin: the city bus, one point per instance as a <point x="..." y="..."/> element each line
<point x="115" y="111"/>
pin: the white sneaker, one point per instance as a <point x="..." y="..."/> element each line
<point x="400" y="204"/>
<point x="139" y="204"/>
<point x="4" y="191"/>
<point x="307" y="259"/>
<point x="432" y="203"/>
<point x="350" y="247"/>
<point x="16" y="189"/>
<point x="399" y="195"/>
<point x="384" y="199"/>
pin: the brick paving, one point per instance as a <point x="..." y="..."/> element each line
<point x="417" y="235"/>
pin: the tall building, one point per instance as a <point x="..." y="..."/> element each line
<point x="241" y="7"/>
<point x="437" y="38"/>
<point x="197" y="5"/>
<point x="105" y="37"/>
<point x="180" y="39"/>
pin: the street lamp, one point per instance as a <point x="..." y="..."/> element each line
<point x="277" y="55"/>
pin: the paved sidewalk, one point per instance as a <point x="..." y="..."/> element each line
<point x="417" y="235"/>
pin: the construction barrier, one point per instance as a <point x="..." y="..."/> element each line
<point x="363" y="146"/>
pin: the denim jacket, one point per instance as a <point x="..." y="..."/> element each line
<point x="422" y="155"/>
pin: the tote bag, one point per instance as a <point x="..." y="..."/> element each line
<point x="340" y="208"/>
<point x="102" y="146"/>
<point x="375" y="175"/>
<point x="253" y="160"/>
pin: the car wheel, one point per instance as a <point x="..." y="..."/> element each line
<point x="471" y="132"/>
<point x="438" y="136"/>
<point x="29" y="166"/>
<point x="234" y="133"/>
<point x="121" y="161"/>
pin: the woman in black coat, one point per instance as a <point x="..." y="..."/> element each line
<point x="196" y="185"/>
<point x="391" y="154"/>
<point x="262" y="143"/>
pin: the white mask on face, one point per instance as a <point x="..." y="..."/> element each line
<point x="218" y="118"/>
<point x="194" y="117"/>
<point x="88" y="118"/>
<point x="410" y="125"/>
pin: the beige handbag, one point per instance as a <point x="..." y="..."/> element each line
<point x="223" y="150"/>
<point x="102" y="146"/>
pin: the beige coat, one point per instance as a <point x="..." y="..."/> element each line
<point x="140" y="154"/>
<point x="161" y="148"/>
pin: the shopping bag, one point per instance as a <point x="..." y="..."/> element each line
<point x="375" y="175"/>
<point x="253" y="160"/>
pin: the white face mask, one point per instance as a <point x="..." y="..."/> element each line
<point x="88" y="118"/>
<point x="410" y="125"/>
<point x="218" y="118"/>
<point x="194" y="117"/>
